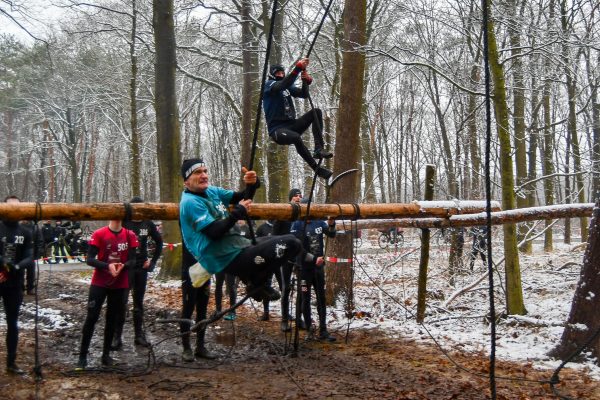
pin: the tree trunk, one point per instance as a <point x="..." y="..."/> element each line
<point x="135" y="134"/>
<point x="519" y="118"/>
<point x="547" y="140"/>
<point x="277" y="155"/>
<point x="167" y="126"/>
<point x="514" y="290"/>
<point x="572" y="118"/>
<point x="583" y="319"/>
<point x="347" y="143"/>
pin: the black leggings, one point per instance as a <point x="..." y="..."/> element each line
<point x="12" y="298"/>
<point x="193" y="299"/>
<point x="292" y="134"/>
<point x="231" y="286"/>
<point x="313" y="276"/>
<point x="115" y="300"/>
<point x="284" y="280"/>
<point x="256" y="263"/>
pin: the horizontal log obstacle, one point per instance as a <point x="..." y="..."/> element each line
<point x="498" y="218"/>
<point x="274" y="211"/>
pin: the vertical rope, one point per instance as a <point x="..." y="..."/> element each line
<point x="488" y="195"/>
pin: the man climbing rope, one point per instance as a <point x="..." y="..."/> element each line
<point x="206" y="226"/>
<point x="280" y="113"/>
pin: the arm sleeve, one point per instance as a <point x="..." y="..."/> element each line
<point x="92" y="258"/>
<point x="286" y="82"/>
<point x="155" y="235"/>
<point x="216" y="229"/>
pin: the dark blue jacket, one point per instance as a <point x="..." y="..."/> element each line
<point x="277" y="100"/>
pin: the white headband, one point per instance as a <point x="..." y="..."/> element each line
<point x="191" y="169"/>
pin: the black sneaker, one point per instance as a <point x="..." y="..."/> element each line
<point x="13" y="369"/>
<point x="324" y="173"/>
<point x="326" y="337"/>
<point x="322" y="153"/>
<point x="187" y="355"/>
<point x="140" y="340"/>
<point x="107" y="360"/>
<point x="270" y="293"/>
<point x="82" y="362"/>
<point x="203" y="352"/>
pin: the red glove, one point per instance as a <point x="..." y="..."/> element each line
<point x="306" y="77"/>
<point x="302" y="64"/>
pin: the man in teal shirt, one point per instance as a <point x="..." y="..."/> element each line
<point x="206" y="226"/>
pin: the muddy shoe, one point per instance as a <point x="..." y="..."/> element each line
<point x="107" y="360"/>
<point x="187" y="355"/>
<point x="285" y="326"/>
<point x="324" y="173"/>
<point x="116" y="344"/>
<point x="264" y="317"/>
<point x="141" y="341"/>
<point x="82" y="362"/>
<point x="202" y="352"/>
<point x="321" y="153"/>
<point x="324" y="336"/>
<point x="13" y="369"/>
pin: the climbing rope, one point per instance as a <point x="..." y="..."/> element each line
<point x="488" y="195"/>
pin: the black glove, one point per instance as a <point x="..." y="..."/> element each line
<point x="239" y="212"/>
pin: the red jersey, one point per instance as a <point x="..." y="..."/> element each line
<point x="112" y="247"/>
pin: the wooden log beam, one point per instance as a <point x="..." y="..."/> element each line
<point x="498" y="218"/>
<point x="276" y="211"/>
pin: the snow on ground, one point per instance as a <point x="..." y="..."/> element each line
<point x="386" y="291"/>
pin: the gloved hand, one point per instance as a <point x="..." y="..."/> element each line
<point x="302" y="64"/>
<point x="239" y="212"/>
<point x="306" y="77"/>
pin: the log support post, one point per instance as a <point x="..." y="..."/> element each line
<point x="425" y="238"/>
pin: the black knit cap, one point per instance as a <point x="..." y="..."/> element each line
<point x="136" y="199"/>
<point x="293" y="193"/>
<point x="190" y="165"/>
<point x="274" y="68"/>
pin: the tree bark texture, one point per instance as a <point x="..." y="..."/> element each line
<point x="167" y="124"/>
<point x="514" y="290"/>
<point x="347" y="146"/>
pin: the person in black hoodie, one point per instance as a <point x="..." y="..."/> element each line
<point x="138" y="277"/>
<point x="283" y="126"/>
<point x="16" y="252"/>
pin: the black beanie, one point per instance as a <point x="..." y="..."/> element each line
<point x="190" y="165"/>
<point x="293" y="193"/>
<point x="274" y="68"/>
<point x="136" y="199"/>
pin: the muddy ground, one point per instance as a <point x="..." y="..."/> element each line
<point x="255" y="361"/>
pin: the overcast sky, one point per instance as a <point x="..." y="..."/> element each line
<point x="35" y="15"/>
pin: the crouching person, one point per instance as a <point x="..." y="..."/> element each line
<point x="206" y="225"/>
<point x="111" y="253"/>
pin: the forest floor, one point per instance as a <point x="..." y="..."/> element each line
<point x="256" y="360"/>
